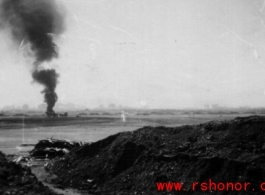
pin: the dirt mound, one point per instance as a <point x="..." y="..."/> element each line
<point x="17" y="180"/>
<point x="51" y="148"/>
<point x="132" y="162"/>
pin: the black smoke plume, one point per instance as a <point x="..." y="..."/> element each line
<point x="36" y="22"/>
<point x="48" y="78"/>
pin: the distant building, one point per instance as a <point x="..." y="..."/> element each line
<point x="25" y="107"/>
<point x="112" y="106"/>
<point x="101" y="106"/>
<point x="11" y="107"/>
<point x="207" y="106"/>
<point x="215" y="106"/>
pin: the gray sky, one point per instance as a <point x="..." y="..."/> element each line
<point x="164" y="54"/>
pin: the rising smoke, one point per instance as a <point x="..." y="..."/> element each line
<point x="36" y="22"/>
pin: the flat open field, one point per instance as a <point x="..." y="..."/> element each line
<point x="15" y="131"/>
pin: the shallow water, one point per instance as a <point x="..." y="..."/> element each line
<point x="93" y="130"/>
<point x="12" y="139"/>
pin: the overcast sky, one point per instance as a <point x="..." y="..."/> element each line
<point x="164" y="54"/>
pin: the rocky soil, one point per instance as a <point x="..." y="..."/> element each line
<point x="132" y="162"/>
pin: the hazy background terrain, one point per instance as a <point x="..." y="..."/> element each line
<point x="151" y="53"/>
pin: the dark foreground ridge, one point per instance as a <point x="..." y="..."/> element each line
<point x="132" y="162"/>
<point x="17" y="180"/>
